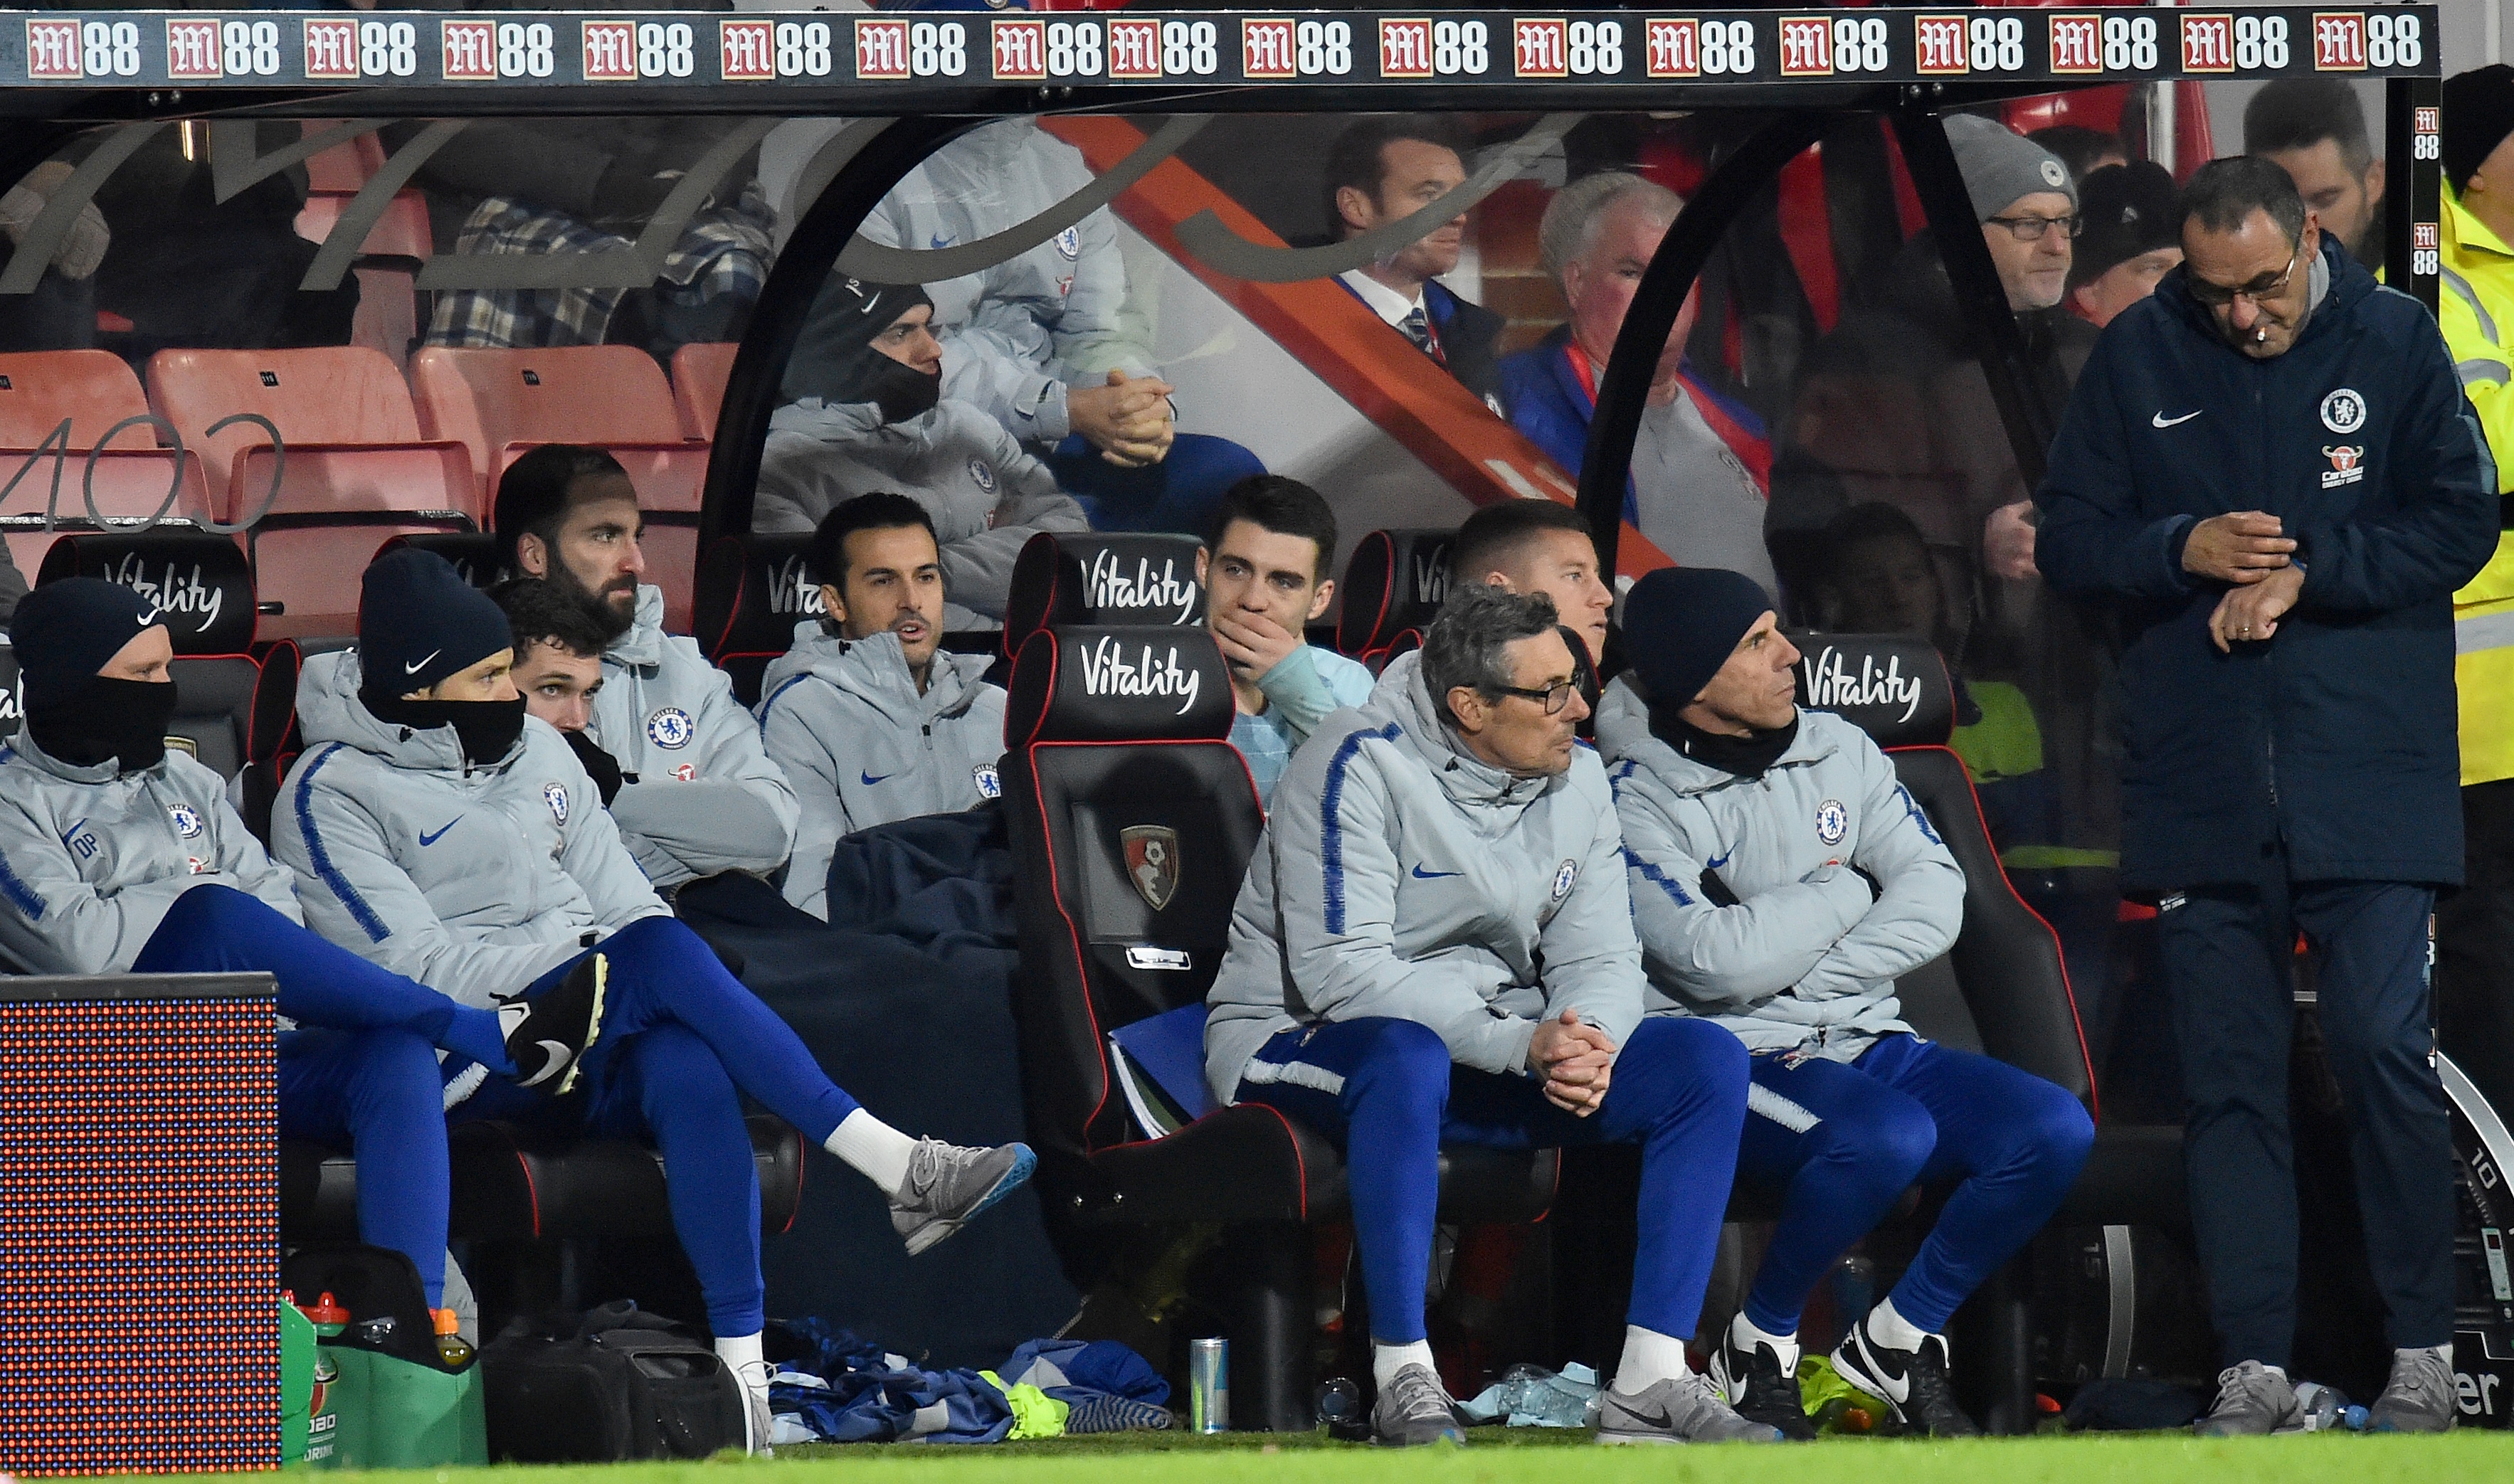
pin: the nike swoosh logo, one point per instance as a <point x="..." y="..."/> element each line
<point x="1420" y="874"/>
<point x="425" y="839"/>
<point x="1719" y="862"/>
<point x="942" y="240"/>
<point x="2162" y="420"/>
<point x="416" y="667"/>
<point x="870" y="778"/>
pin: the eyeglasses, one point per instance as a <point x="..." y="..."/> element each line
<point x="2218" y="296"/>
<point x="2032" y="228"/>
<point x="1553" y="698"/>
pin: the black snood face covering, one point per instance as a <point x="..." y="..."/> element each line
<point x="899" y="389"/>
<point x="487" y="729"/>
<point x="101" y="719"/>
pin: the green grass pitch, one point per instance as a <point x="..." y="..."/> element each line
<point x="1530" y="1456"/>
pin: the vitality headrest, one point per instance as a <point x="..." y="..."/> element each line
<point x="471" y="554"/>
<point x="199" y="581"/>
<point x="1145" y="683"/>
<point x="12" y="699"/>
<point x="1064" y="578"/>
<point x="1893" y="687"/>
<point x="751" y="592"/>
<point x="1396" y="581"/>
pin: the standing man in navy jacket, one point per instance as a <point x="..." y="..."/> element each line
<point x="2268" y="474"/>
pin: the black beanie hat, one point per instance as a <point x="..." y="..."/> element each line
<point x="1681" y="624"/>
<point x="2129" y="209"/>
<point x="419" y="622"/>
<point x="65" y="630"/>
<point x="2477" y="114"/>
<point x="834" y="357"/>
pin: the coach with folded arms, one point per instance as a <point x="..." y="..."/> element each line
<point x="2267" y="474"/>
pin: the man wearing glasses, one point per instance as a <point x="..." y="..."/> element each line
<point x="1782" y="879"/>
<point x="2270" y="477"/>
<point x="1435" y="945"/>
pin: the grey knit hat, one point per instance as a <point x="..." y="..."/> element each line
<point x="2002" y="167"/>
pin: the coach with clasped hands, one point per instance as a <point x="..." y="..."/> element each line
<point x="2267" y="472"/>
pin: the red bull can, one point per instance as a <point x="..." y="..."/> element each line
<point x="1208" y="1386"/>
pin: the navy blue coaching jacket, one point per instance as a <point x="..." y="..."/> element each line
<point x="2336" y="737"/>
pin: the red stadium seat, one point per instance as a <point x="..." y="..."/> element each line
<point x="346" y="166"/>
<point x="133" y="479"/>
<point x="350" y="467"/>
<point x="387" y="266"/>
<point x="504" y="402"/>
<point x="699" y="371"/>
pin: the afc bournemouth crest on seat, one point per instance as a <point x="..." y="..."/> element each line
<point x="1152" y="861"/>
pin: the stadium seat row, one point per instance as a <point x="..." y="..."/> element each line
<point x="322" y="452"/>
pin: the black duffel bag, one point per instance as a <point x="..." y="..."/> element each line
<point x="605" y="1386"/>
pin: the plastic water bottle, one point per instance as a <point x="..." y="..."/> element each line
<point x="450" y="1348"/>
<point x="1548" y="1402"/>
<point x="1339" y="1404"/>
<point x="2326" y="1408"/>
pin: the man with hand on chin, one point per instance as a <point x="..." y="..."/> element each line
<point x="1433" y="945"/>
<point x="1264" y="570"/>
<point x="869" y="715"/>
<point x="2270" y="476"/>
<point x="695" y="797"/>
<point x="1782" y="879"/>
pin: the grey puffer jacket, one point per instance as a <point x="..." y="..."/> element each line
<point x="1806" y="958"/>
<point x="475" y="881"/>
<point x="1400" y="876"/>
<point x="91" y="859"/>
<point x="844" y="720"/>
<point x="987" y="497"/>
<point x="706" y="799"/>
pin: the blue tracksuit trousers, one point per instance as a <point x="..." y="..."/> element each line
<point x="367" y="1078"/>
<point x="681" y="1041"/>
<point x="1845" y="1140"/>
<point x="1387" y="1090"/>
<point x="2229" y="953"/>
<point x="1177" y="494"/>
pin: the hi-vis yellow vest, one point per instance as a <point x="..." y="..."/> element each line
<point x="2477" y="310"/>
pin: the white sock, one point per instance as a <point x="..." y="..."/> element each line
<point x="741" y="1352"/>
<point x="877" y="1151"/>
<point x="1386" y="1360"/>
<point x="1649" y="1357"/>
<point x="1893" y="1331"/>
<point x="1746" y="1336"/>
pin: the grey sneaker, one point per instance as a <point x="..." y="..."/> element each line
<point x="1688" y="1409"/>
<point x="1414" y="1409"/>
<point x="2420" y="1398"/>
<point x="947" y="1183"/>
<point x="2253" y="1399"/>
<point x="756" y="1421"/>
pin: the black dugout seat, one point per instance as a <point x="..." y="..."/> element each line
<point x="1393" y="583"/>
<point x="511" y="1184"/>
<point x="1115" y="737"/>
<point x="1070" y="579"/>
<point x="235" y="699"/>
<point x="750" y="593"/>
<point x="2003" y="989"/>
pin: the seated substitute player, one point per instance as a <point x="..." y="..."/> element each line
<point x="1781" y="878"/>
<point x="869" y="715"/>
<point x="697" y="796"/>
<point x="438" y="830"/>
<point x="1435" y="944"/>
<point x="118" y="856"/>
<point x="1264" y="574"/>
<point x="558" y="667"/>
<point x="1537" y="546"/>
